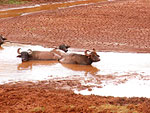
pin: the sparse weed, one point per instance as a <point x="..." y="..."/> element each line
<point x="12" y="2"/>
<point x="108" y="108"/>
<point x="38" y="109"/>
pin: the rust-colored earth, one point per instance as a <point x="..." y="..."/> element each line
<point x="108" y="26"/>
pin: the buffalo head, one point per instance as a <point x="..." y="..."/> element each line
<point x="93" y="56"/>
<point x="24" y="55"/>
<point x="2" y="39"/>
<point x="64" y="47"/>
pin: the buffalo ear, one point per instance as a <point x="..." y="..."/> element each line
<point x="19" y="56"/>
<point x="4" y="39"/>
<point x="67" y="46"/>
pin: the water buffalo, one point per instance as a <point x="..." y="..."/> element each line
<point x="86" y="59"/>
<point x="55" y="54"/>
<point x="64" y="47"/>
<point x="2" y="39"/>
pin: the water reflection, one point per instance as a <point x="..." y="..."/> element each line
<point x="28" y="65"/>
<point x="1" y="48"/>
<point x="88" y="69"/>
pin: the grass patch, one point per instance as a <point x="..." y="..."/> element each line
<point x="108" y="108"/>
<point x="12" y="2"/>
<point x="105" y="108"/>
<point x="38" y="109"/>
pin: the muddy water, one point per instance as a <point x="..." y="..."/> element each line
<point x="12" y="12"/>
<point x="117" y="74"/>
<point x="12" y="68"/>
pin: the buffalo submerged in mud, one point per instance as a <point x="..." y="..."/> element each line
<point x="59" y="54"/>
<point x="86" y="59"/>
<point x="2" y="39"/>
<point x="55" y="54"/>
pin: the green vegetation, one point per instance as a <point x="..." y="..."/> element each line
<point x="12" y="2"/>
<point x="108" y="108"/>
<point x="105" y="108"/>
<point x="38" y="109"/>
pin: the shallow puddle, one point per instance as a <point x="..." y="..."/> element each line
<point x="13" y="12"/>
<point x="117" y="74"/>
<point x="12" y="68"/>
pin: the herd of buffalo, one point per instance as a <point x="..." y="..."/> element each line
<point x="60" y="54"/>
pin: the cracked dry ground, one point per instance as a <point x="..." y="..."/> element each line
<point x="109" y="26"/>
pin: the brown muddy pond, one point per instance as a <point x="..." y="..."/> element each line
<point x="19" y="11"/>
<point x="128" y="74"/>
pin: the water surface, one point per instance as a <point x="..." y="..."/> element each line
<point x="13" y="12"/>
<point x="117" y="74"/>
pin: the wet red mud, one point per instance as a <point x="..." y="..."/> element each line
<point x="48" y="97"/>
<point x="111" y="26"/>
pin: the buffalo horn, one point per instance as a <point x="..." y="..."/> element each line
<point x="86" y="54"/>
<point x="18" y="51"/>
<point x="29" y="51"/>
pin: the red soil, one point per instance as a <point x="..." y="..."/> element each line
<point x="109" y="26"/>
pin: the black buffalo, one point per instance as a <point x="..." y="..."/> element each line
<point x="55" y="54"/>
<point x="2" y="39"/>
<point x="86" y="59"/>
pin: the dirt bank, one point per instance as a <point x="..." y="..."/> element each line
<point x="48" y="97"/>
<point x="109" y="26"/>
